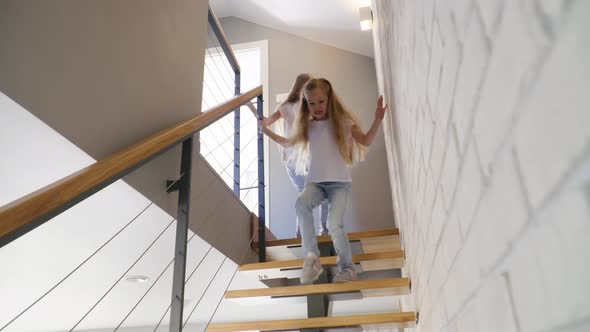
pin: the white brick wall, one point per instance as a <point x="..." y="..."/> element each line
<point x="489" y="155"/>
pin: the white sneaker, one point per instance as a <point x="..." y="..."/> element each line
<point x="323" y="231"/>
<point x="312" y="269"/>
<point x="345" y="275"/>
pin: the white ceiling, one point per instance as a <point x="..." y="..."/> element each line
<point x="331" y="22"/>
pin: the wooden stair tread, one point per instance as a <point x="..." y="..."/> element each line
<point x="402" y="319"/>
<point x="353" y="236"/>
<point x="330" y="260"/>
<point x="366" y="245"/>
<point x="320" y="288"/>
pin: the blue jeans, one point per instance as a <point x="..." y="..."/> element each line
<point x="299" y="183"/>
<point x="338" y="196"/>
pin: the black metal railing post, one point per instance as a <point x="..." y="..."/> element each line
<point x="237" y="139"/>
<point x="213" y="23"/>
<point x="184" y="191"/>
<point x="261" y="187"/>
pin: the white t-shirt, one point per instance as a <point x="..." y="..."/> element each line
<point x="289" y="114"/>
<point x="326" y="163"/>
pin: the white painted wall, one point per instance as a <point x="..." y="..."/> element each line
<point x="489" y="149"/>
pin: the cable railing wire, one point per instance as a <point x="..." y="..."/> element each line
<point x="208" y="107"/>
<point x="213" y="39"/>
<point x="220" y="164"/>
<point x="224" y="170"/>
<point x="227" y="139"/>
<point x="226" y="118"/>
<point x="75" y="269"/>
<point x="220" y="144"/>
<point x="210" y="182"/>
<point x="231" y="157"/>
<point x="219" y="51"/>
<point x="84" y="261"/>
<point x="159" y="277"/>
<point x="185" y="283"/>
<point x="220" y="57"/>
<point x="251" y="186"/>
<point x="204" y="292"/>
<point x="209" y="56"/>
<point x="214" y="138"/>
<point x="213" y="95"/>
<point x="229" y="71"/>
<point x="123" y="274"/>
<point x="229" y="88"/>
<point x="232" y="161"/>
<point x="249" y="165"/>
<point x="232" y="279"/>
<point x="214" y="210"/>
<point x="220" y="71"/>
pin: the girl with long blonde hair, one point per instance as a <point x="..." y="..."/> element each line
<point x="330" y="140"/>
<point x="288" y="111"/>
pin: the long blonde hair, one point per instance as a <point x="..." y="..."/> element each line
<point x="351" y="151"/>
<point x="295" y="92"/>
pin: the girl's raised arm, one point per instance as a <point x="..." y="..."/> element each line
<point x="367" y="139"/>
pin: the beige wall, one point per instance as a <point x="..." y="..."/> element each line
<point x="108" y="73"/>
<point x="353" y="77"/>
<point x="489" y="149"/>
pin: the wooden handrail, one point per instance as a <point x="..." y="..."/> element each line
<point x="231" y="57"/>
<point x="28" y="212"/>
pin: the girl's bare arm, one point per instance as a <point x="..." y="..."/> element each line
<point x="274" y="136"/>
<point x="367" y="139"/>
<point x="273" y="118"/>
<point x="267" y="120"/>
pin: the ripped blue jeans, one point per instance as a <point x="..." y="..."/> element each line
<point x="338" y="196"/>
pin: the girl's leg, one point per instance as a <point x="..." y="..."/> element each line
<point x="298" y="182"/>
<point x="339" y="196"/>
<point x="311" y="197"/>
<point x="324" y="208"/>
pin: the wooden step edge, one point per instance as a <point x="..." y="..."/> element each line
<point x="330" y="260"/>
<point x="400" y="283"/>
<point x="401" y="319"/>
<point x="352" y="236"/>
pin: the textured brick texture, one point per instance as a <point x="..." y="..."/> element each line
<point x="488" y="148"/>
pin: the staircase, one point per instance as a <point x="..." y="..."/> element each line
<point x="377" y="250"/>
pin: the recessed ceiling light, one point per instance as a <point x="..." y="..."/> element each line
<point x="136" y="279"/>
